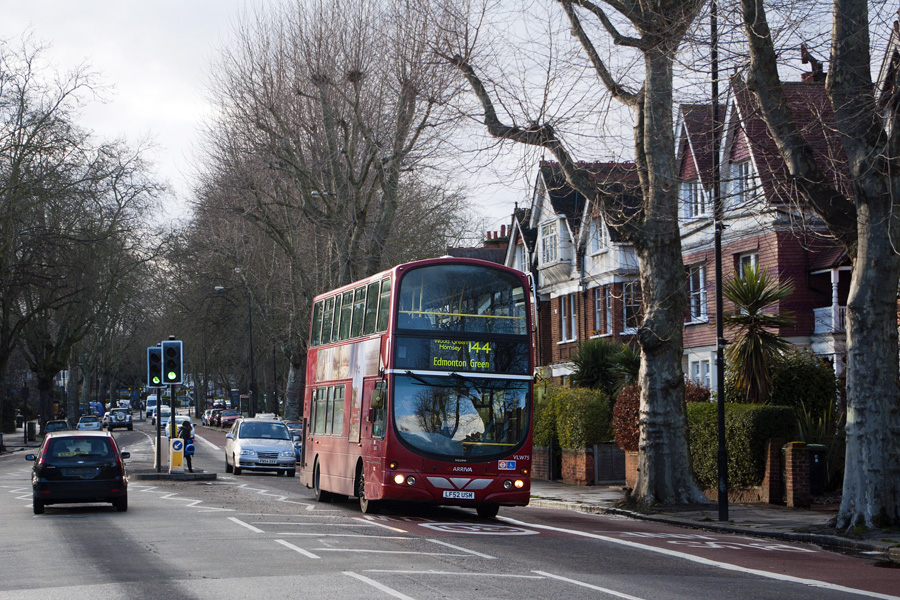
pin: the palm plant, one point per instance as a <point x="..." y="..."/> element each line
<point x="596" y="365"/>
<point x="755" y="346"/>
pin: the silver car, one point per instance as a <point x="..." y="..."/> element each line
<point x="259" y="445"/>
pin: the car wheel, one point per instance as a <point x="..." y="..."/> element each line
<point x="487" y="511"/>
<point x="227" y="465"/>
<point x="121" y="504"/>
<point x="38" y="506"/>
<point x="366" y="506"/>
<point x="131" y="428"/>
<point x="291" y="472"/>
<point x="321" y="495"/>
<point x="237" y="469"/>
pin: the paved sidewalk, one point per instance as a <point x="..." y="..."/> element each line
<point x="762" y="520"/>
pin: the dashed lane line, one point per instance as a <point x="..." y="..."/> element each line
<point x="305" y="553"/>
<point x="588" y="585"/>
<point x="378" y="586"/>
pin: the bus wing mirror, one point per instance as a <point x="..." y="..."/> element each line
<point x="377" y="401"/>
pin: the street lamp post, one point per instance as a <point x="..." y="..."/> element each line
<point x="252" y="407"/>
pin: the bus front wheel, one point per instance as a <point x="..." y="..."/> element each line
<point x="366" y="506"/>
<point x="488" y="511"/>
<point x="321" y="495"/>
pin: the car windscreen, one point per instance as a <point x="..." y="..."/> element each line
<point x="75" y="449"/>
<point x="269" y="431"/>
<point x="88" y="420"/>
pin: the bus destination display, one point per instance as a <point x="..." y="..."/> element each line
<point x="462" y="355"/>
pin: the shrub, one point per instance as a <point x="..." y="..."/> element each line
<point x="805" y="382"/>
<point x="582" y="417"/>
<point x="626" y="414"/>
<point x="747" y="428"/>
<point x="597" y="365"/>
<point x="694" y="392"/>
<point x="544" y="420"/>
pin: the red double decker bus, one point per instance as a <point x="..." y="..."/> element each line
<point x="419" y="388"/>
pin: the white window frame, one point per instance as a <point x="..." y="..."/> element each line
<point x="747" y="258"/>
<point x="697" y="293"/>
<point x="607" y="299"/>
<point x="743" y="182"/>
<point x="695" y="204"/>
<point x="598" y="311"/>
<point x="568" y="321"/>
<point x="599" y="236"/>
<point x="549" y="242"/>
<point x="631" y="303"/>
<point x="701" y="372"/>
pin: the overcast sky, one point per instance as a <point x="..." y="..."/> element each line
<point x="156" y="55"/>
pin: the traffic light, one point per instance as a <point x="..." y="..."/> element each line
<point x="154" y="367"/>
<point x="172" y="362"/>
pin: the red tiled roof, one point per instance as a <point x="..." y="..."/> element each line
<point x="814" y="117"/>
<point x="698" y="130"/>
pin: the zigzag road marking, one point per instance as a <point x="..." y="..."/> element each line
<point x="265" y="492"/>
<point x="189" y="502"/>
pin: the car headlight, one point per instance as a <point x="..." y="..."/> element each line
<point x="287" y="453"/>
<point x="248" y="452"/>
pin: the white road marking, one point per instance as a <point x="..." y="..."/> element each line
<point x="589" y="586"/>
<point x="247" y="525"/>
<point x="487" y="556"/>
<point x="297" y="549"/>
<point x="454" y="574"/>
<point x="706" y="561"/>
<point x="349" y="535"/>
<point x="207" y="442"/>
<point x="365" y="551"/>
<point x="377" y="524"/>
<point x="378" y="586"/>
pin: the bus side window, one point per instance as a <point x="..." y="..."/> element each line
<point x="371" y="308"/>
<point x="378" y="414"/>
<point x="327" y="321"/>
<point x="384" y="305"/>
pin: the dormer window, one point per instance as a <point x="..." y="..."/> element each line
<point x="599" y="236"/>
<point x="549" y="243"/>
<point x="743" y="183"/>
<point x="694" y="199"/>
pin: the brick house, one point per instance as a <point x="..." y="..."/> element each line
<point x="763" y="224"/>
<point x="585" y="276"/>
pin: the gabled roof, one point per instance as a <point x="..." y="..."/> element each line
<point x="697" y="135"/>
<point x="814" y="117"/>
<point x="618" y="179"/>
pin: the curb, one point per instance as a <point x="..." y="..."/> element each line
<point x="827" y="542"/>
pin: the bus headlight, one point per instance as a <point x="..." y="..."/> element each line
<point x="399" y="479"/>
<point x="410" y="480"/>
<point x="507" y="484"/>
<point x="519" y="484"/>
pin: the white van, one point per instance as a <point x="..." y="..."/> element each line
<point x="151" y="405"/>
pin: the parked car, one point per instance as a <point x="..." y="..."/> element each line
<point x="228" y="417"/>
<point x="204" y="418"/>
<point x="259" y="445"/>
<point x="119" y="417"/>
<point x="89" y="423"/>
<point x="296" y="429"/>
<point x="57" y="425"/>
<point x="78" y="466"/>
<point x="214" y="416"/>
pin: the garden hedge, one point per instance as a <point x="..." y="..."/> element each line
<point x="747" y="428"/>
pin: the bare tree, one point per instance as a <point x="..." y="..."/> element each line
<point x="656" y="30"/>
<point x="864" y="219"/>
<point x="331" y="112"/>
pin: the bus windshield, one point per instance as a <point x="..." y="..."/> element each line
<point x="461" y="417"/>
<point x="462" y="298"/>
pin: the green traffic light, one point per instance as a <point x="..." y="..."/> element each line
<point x="156" y="380"/>
<point x="172" y="375"/>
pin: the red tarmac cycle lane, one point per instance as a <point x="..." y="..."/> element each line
<point x="805" y="561"/>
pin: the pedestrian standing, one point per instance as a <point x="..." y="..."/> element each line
<point x="187" y="434"/>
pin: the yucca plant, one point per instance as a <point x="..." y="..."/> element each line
<point x="755" y="347"/>
<point x="597" y="365"/>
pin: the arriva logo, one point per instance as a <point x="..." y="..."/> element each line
<point x="463" y="469"/>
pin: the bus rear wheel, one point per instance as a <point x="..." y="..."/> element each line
<point x="321" y="495"/>
<point x="366" y="506"/>
<point x="487" y="511"/>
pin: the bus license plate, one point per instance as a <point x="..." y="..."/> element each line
<point x="459" y="495"/>
<point x="267" y="461"/>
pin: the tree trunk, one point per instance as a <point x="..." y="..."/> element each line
<point x="665" y="474"/>
<point x="293" y="400"/>
<point x="871" y="493"/>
